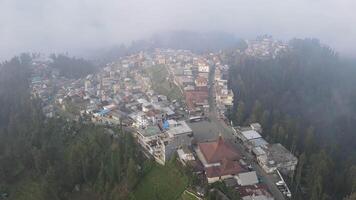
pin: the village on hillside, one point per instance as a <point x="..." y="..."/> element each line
<point x="175" y="103"/>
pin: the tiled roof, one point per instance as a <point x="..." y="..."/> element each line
<point x="216" y="151"/>
<point x="227" y="167"/>
<point x="257" y="190"/>
<point x="195" y="97"/>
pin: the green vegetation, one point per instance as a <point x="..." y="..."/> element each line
<point x="231" y="193"/>
<point x="306" y="100"/>
<point x="72" y="67"/>
<point x="187" y="196"/>
<point x="58" y="159"/>
<point x="55" y="159"/>
<point x="162" y="182"/>
<point x="161" y="83"/>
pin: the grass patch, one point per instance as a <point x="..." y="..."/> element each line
<point x="188" y="196"/>
<point x="161" y="83"/>
<point x="161" y="183"/>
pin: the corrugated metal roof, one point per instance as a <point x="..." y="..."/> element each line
<point x="251" y="134"/>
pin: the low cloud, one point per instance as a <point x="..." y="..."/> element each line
<point x="75" y="26"/>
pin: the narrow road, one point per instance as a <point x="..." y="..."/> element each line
<point x="172" y="76"/>
<point x="228" y="133"/>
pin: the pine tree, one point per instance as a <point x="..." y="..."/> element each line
<point x="240" y="114"/>
<point x="132" y="174"/>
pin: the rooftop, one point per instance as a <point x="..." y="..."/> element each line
<point x="216" y="151"/>
<point x="227" y="167"/>
<point x="251" y="134"/>
<point x="177" y="128"/>
<point x="258" y="190"/>
<point x="279" y="153"/>
<point x="150" y="131"/>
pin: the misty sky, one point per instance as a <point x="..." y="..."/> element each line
<point x="78" y="25"/>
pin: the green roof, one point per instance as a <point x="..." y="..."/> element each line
<point x="151" y="131"/>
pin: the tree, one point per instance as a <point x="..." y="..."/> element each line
<point x="318" y="175"/>
<point x="265" y="119"/>
<point x="299" y="172"/>
<point x="309" y="140"/>
<point x="132" y="174"/>
<point x="71" y="67"/>
<point x="351" y="178"/>
<point x="240" y="114"/>
<point x="282" y="134"/>
<point x="352" y="196"/>
<point x="257" y="112"/>
<point x="44" y="158"/>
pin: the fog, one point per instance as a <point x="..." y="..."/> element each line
<point x="76" y="26"/>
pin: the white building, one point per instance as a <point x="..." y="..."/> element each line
<point x="185" y="155"/>
<point x="203" y="68"/>
<point x="275" y="156"/>
<point x="162" y="144"/>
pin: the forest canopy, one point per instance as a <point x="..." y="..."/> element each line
<point x="72" y="67"/>
<point x="305" y="99"/>
<point x="55" y="158"/>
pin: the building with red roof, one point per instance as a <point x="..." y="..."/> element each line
<point x="220" y="160"/>
<point x="252" y="192"/>
<point x="195" y="98"/>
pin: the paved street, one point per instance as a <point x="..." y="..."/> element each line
<point x="210" y="130"/>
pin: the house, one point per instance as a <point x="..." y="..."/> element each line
<point x="254" y="192"/>
<point x="204" y="68"/>
<point x="140" y="119"/>
<point x="249" y="135"/>
<point x="196" y="98"/>
<point x="150" y="139"/>
<point x="160" y="59"/>
<point x="176" y="128"/>
<point x="275" y="156"/>
<point x="187" y="72"/>
<point x="203" y="74"/>
<point x="164" y="140"/>
<point x="247" y="178"/>
<point x="185" y="155"/>
<point x="201" y="81"/>
<point x="185" y="80"/>
<point x="220" y="160"/>
<point x="257" y="127"/>
<point x="177" y="135"/>
<point x="269" y="156"/>
<point x="224" y="97"/>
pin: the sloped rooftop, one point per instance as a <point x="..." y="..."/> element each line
<point x="216" y="151"/>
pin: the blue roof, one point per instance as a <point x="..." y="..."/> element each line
<point x="104" y="111"/>
<point x="165" y="124"/>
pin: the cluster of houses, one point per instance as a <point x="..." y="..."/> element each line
<point x="129" y="99"/>
<point x="219" y="160"/>
<point x="121" y="94"/>
<point x="265" y="47"/>
<point x="273" y="158"/>
<point x="45" y="82"/>
<point x="270" y="157"/>
<point x="191" y="73"/>
<point x="224" y="96"/>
